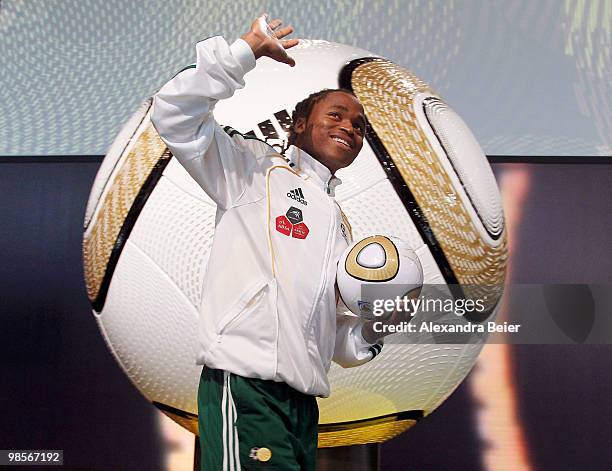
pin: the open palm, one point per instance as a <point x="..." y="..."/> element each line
<point x="266" y="39"/>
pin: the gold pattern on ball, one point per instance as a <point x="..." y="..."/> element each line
<point x="125" y="187"/>
<point x="378" y="432"/>
<point x="387" y="93"/>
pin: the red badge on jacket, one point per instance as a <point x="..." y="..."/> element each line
<point x="292" y="224"/>
<point x="283" y="225"/>
<point x="300" y="231"/>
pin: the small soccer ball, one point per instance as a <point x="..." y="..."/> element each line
<point x="376" y="269"/>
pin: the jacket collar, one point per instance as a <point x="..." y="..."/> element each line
<point x="303" y="163"/>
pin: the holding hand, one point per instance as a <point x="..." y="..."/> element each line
<point x="396" y="318"/>
<point x="265" y="39"/>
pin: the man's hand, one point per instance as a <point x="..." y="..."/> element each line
<point x="396" y="318"/>
<point x="265" y="39"/>
<point x="372" y="337"/>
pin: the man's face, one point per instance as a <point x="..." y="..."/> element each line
<point x="333" y="133"/>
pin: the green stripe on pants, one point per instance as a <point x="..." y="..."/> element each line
<point x="253" y="424"/>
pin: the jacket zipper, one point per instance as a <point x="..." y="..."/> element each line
<point x="321" y="290"/>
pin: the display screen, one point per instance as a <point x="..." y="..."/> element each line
<point x="529" y="78"/>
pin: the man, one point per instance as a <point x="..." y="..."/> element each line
<point x="268" y="326"/>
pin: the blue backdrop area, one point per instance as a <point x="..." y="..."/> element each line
<point x="61" y="387"/>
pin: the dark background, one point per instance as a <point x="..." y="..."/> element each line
<point x="61" y="388"/>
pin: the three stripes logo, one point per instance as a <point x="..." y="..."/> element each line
<point x="297" y="195"/>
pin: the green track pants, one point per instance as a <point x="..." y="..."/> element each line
<point x="248" y="424"/>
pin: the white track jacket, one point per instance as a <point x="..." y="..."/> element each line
<point x="269" y="306"/>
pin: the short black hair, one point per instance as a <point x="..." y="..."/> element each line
<point x="304" y="108"/>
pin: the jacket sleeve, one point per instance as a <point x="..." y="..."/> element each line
<point x="183" y="116"/>
<point x="351" y="349"/>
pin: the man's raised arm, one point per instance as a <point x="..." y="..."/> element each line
<point x="183" y="108"/>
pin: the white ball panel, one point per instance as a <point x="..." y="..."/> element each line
<point x="372" y="256"/>
<point x="363" y="173"/>
<point x="410" y="377"/>
<point x="431" y="272"/>
<point x="378" y="210"/>
<point x="465" y="163"/>
<point x="410" y="265"/>
<point x="470" y="162"/>
<point x="153" y="329"/>
<point x="176" y="230"/>
<point x="269" y="75"/>
<point x="177" y="174"/>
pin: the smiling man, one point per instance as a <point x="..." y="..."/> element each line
<point x="268" y="328"/>
<point x="326" y="116"/>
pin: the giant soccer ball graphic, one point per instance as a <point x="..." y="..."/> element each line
<point x="421" y="176"/>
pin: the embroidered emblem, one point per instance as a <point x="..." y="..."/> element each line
<point x="260" y="454"/>
<point x="283" y="225"/>
<point x="300" y="231"/>
<point x="291" y="224"/>
<point x="294" y="215"/>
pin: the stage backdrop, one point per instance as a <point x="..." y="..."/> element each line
<point x="529" y="78"/>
